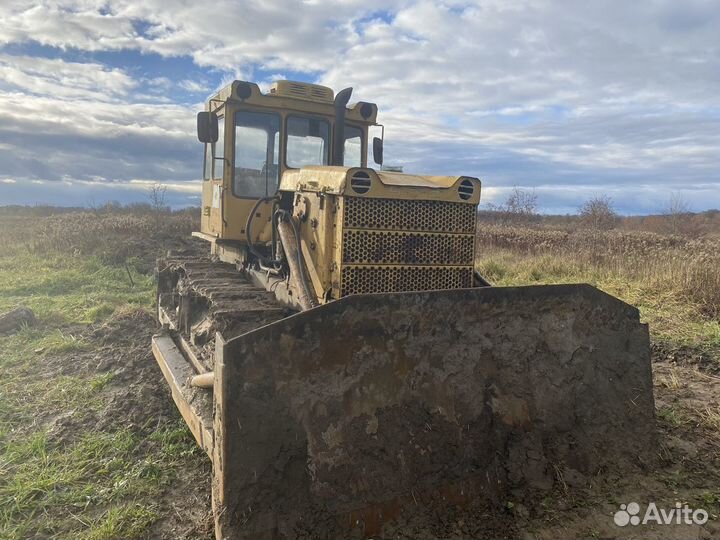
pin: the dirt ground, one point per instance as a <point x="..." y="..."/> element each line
<point x="137" y="398"/>
<point x="687" y="392"/>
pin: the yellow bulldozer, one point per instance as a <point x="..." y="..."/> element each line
<point x="339" y="358"/>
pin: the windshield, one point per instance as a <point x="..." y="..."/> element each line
<point x="256" y="154"/>
<point x="353" y="146"/>
<point x="308" y="141"/>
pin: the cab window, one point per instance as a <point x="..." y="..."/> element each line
<point x="308" y="141"/>
<point x="257" y="144"/>
<point x="207" y="166"/>
<point x="353" y="146"/>
<point x="219" y="158"/>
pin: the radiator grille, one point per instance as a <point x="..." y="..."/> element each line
<point x="394" y="214"/>
<point x="374" y="279"/>
<point x="406" y="248"/>
<point x="396" y="245"/>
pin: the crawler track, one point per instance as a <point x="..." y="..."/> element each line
<point x="198" y="297"/>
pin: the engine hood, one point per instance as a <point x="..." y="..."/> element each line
<point x="340" y="180"/>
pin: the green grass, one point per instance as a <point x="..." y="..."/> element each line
<point x="121" y="523"/>
<point x="670" y="416"/>
<point x="105" y="473"/>
<point x="64" y="289"/>
<point x="99" y="484"/>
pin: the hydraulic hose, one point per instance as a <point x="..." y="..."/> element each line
<point x="290" y="238"/>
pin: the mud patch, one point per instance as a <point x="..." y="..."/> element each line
<point x="135" y="397"/>
<point x="684" y="355"/>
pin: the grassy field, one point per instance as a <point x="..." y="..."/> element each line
<point x="92" y="447"/>
<point x="70" y="465"/>
<point x="674" y="281"/>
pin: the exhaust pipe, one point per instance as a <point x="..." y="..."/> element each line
<point x="340" y="103"/>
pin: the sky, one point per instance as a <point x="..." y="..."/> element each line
<point x="568" y="99"/>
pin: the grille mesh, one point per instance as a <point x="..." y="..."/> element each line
<point x="394" y="214"/>
<point x="373" y="279"/>
<point x="396" y="245"/>
<point x="406" y="248"/>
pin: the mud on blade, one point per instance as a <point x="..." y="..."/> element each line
<point x="337" y="420"/>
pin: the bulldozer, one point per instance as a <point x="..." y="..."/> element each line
<point x="338" y="357"/>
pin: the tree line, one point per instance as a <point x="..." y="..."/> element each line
<point x="598" y="212"/>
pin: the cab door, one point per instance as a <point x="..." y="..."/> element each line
<point x="213" y="185"/>
<point x="253" y="150"/>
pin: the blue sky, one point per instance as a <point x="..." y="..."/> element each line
<point x="570" y="99"/>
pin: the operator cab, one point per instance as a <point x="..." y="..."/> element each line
<point x="252" y="138"/>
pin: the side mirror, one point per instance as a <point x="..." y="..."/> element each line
<point x="378" y="150"/>
<point x="207" y="127"/>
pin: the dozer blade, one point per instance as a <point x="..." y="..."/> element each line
<point x="335" y="420"/>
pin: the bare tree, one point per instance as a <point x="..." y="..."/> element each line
<point x="156" y="194"/>
<point x="110" y="206"/>
<point x="677" y="213"/>
<point x="599" y="213"/>
<point x="92" y="205"/>
<point x="521" y="202"/>
<point x="520" y="206"/>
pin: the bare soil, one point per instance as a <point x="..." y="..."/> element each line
<point x="136" y="398"/>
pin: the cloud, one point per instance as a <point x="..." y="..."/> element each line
<point x="85" y="25"/>
<point x="47" y="138"/>
<point x="568" y="97"/>
<point x="64" y="80"/>
<point x="281" y="34"/>
<point x="196" y="87"/>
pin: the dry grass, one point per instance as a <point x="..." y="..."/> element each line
<point x="115" y="238"/>
<point x="689" y="268"/>
<point x="710" y="417"/>
<point x="672" y="380"/>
